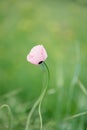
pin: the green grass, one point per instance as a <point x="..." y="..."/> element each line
<point x="62" y="28"/>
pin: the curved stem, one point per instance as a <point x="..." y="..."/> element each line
<point x="43" y="93"/>
<point x="39" y="109"/>
<point x="39" y="100"/>
<point x="31" y="112"/>
<point x="40" y="103"/>
<point x="10" y="115"/>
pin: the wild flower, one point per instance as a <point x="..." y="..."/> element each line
<point x="37" y="56"/>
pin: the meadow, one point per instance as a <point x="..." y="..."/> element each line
<point x="61" y="26"/>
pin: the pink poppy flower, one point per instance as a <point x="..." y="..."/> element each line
<point x="37" y="55"/>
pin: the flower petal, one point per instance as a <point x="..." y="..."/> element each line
<point x="37" y="54"/>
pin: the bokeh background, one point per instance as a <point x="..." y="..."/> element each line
<point x="61" y="26"/>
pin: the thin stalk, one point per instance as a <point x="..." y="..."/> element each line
<point x="43" y="93"/>
<point x="82" y="87"/>
<point x="9" y="114"/>
<point x="39" y="100"/>
<point x="31" y="113"/>
<point x="40" y="115"/>
<point x="75" y="116"/>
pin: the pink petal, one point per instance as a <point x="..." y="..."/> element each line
<point x="37" y="54"/>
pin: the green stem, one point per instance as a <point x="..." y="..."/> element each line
<point x="83" y="88"/>
<point x="41" y="122"/>
<point x="30" y="114"/>
<point x="9" y="114"/>
<point x="39" y="109"/>
<point x="39" y="100"/>
<point x="45" y="67"/>
<point x="75" y="116"/>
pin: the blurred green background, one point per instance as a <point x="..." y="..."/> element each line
<point x="61" y="26"/>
